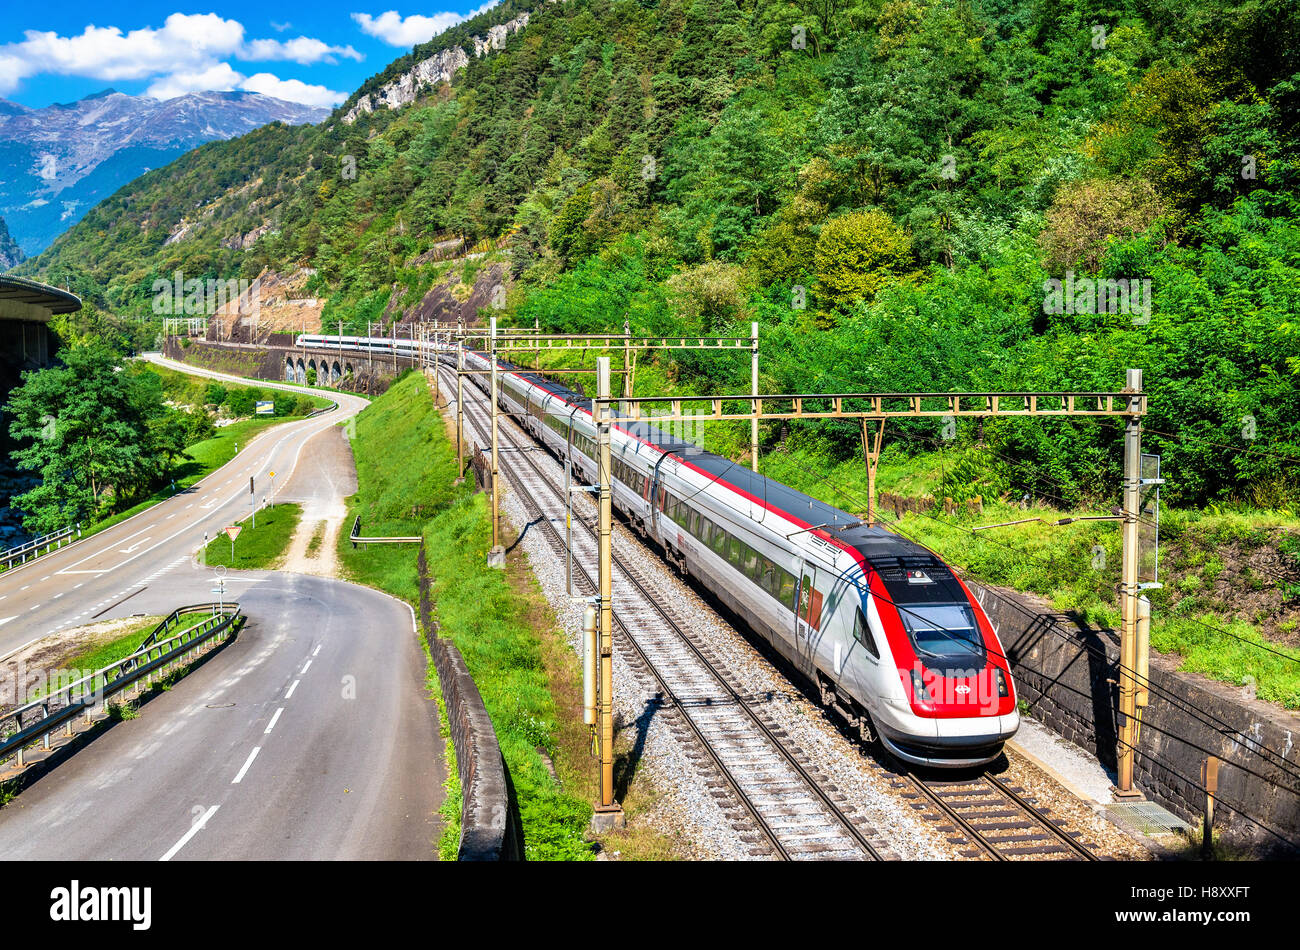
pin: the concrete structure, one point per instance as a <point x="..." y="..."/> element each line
<point x="1066" y="675"/>
<point x="280" y="361"/>
<point x="25" y="308"/>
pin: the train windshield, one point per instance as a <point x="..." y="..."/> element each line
<point x="943" y="630"/>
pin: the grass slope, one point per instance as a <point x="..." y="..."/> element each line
<point x="405" y="468"/>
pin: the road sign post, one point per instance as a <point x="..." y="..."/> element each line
<point x="232" y="532"/>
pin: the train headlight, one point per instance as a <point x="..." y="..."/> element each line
<point x="918" y="687"/>
<point x="1003" y="690"/>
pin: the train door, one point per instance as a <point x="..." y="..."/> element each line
<point x="656" y="499"/>
<point x="808" y="615"/>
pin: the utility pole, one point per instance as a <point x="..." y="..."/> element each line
<point x="627" y="358"/>
<point x="460" y="400"/>
<point x="608" y="813"/>
<point x="426" y="348"/>
<point x="497" y="556"/>
<point x="871" y="453"/>
<point x="753" y="376"/>
<point x="1129" y="591"/>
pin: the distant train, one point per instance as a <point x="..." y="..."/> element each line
<point x="892" y="638"/>
<point x="365" y="344"/>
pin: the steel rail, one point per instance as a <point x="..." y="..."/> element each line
<point x="984" y="842"/>
<point x="963" y="825"/>
<point x="785" y="754"/>
<point x="1042" y="819"/>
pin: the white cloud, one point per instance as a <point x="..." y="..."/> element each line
<point x="397" y="30"/>
<point x="293" y="90"/>
<point x="304" y="50"/>
<point x="198" y="43"/>
<point x="108" y="53"/>
<point x="219" y="76"/>
<point x="280" y="27"/>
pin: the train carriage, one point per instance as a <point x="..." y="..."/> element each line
<point x="889" y="634"/>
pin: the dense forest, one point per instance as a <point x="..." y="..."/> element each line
<point x="910" y="194"/>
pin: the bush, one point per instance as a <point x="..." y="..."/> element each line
<point x="857" y="253"/>
<point x="1088" y="215"/>
<point x="215" y="394"/>
<point x="242" y="402"/>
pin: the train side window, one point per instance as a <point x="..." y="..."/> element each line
<point x="862" y="633"/>
<point x="787" y="590"/>
<point x="736" y="553"/>
<point x="719" y="541"/>
<point x="810" y="603"/>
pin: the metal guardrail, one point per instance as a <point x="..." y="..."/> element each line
<point x="22" y="552"/>
<point x="85" y="695"/>
<point x="355" y="537"/>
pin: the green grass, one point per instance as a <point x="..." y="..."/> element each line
<point x="110" y="651"/>
<point x="256" y="547"/>
<point x="317" y="536"/>
<point x="405" y="467"/>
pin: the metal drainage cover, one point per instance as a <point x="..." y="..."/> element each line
<point x="1147" y="818"/>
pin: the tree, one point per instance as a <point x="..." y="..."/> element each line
<point x="93" y="432"/>
<point x="1087" y="215"/>
<point x="857" y="253"/>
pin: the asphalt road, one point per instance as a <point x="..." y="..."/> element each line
<point x="108" y="574"/>
<point x="309" y="737"/>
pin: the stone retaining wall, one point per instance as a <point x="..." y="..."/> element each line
<point x="1067" y="674"/>
<point x="490" y="829"/>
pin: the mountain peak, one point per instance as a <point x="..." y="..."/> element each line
<point x="58" y="162"/>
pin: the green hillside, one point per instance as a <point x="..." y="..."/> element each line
<point x="885" y="187"/>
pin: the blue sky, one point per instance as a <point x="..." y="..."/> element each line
<point x="311" y="51"/>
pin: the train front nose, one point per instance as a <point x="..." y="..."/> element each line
<point x="957" y="718"/>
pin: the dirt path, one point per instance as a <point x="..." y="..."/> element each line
<point x="326" y="477"/>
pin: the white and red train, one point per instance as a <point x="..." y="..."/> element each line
<point x="890" y="635"/>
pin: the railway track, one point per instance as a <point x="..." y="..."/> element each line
<point x="797" y="812"/>
<point x="991" y="820"/>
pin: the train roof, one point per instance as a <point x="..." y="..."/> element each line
<point x="878" y="546"/>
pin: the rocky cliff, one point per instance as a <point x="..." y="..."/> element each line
<point x="441" y="67"/>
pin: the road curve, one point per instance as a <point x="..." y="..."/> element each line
<point x="310" y="737"/>
<point x="102" y="576"/>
